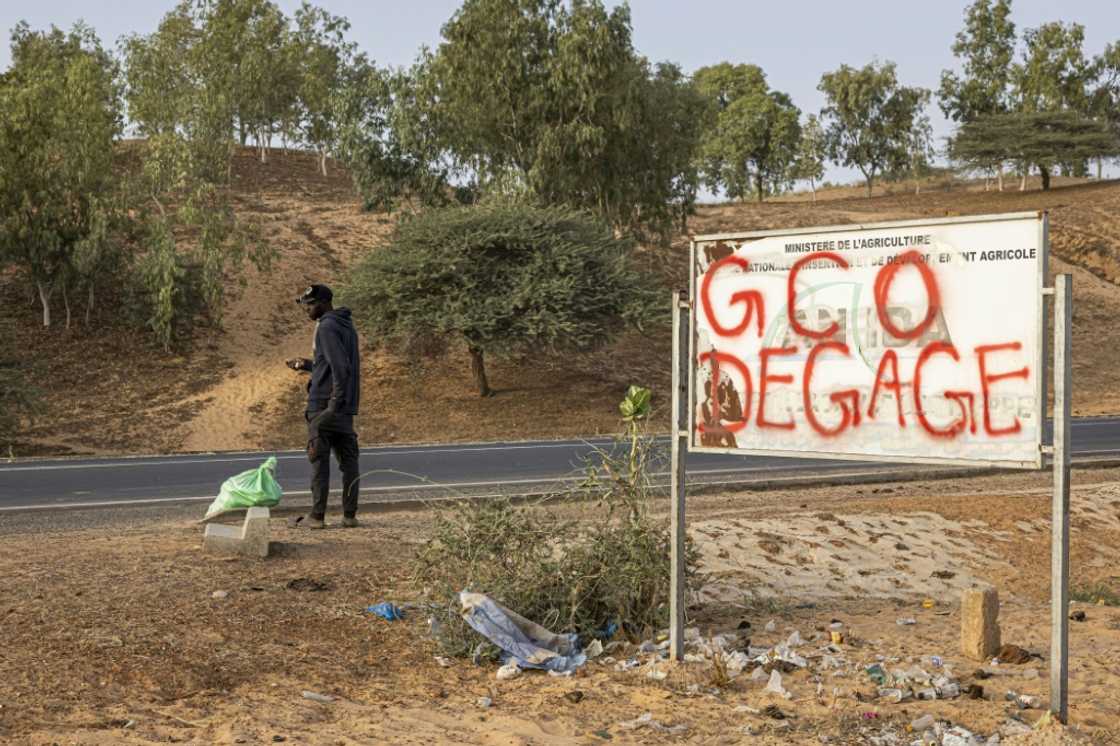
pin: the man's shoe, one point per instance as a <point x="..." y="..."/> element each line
<point x="350" y="523"/>
<point x="306" y="521"/>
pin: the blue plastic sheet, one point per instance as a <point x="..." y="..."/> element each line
<point x="608" y="631"/>
<point x="527" y="643"/>
<point x="386" y="610"/>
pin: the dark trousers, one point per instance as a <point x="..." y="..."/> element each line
<point x="326" y="432"/>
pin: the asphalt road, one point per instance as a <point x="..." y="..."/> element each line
<point x="393" y="473"/>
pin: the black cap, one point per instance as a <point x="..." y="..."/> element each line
<point x="315" y="294"/>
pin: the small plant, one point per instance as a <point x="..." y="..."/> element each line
<point x="720" y="677"/>
<point x="1100" y="594"/>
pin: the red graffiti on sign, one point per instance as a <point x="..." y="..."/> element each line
<point x="849" y="411"/>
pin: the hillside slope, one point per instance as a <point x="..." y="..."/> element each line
<point x="109" y="390"/>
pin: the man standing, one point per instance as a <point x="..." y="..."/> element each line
<point x="332" y="402"/>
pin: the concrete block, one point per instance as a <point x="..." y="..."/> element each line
<point x="980" y="637"/>
<point x="250" y="539"/>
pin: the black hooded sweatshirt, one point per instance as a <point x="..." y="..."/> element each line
<point x="335" y="370"/>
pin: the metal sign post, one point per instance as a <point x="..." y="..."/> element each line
<point x="679" y="435"/>
<point x="1059" y="527"/>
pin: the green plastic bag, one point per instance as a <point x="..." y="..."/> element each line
<point x="249" y="489"/>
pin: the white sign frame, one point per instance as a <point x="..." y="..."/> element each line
<point x="1042" y="259"/>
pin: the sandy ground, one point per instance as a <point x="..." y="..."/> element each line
<point x="117" y="638"/>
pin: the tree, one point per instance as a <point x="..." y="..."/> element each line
<point x="160" y="76"/>
<point x="243" y="52"/>
<point x="752" y="137"/>
<point x="326" y="64"/>
<point x="550" y="99"/>
<point x="650" y="182"/>
<point x="870" y="117"/>
<point x="1044" y="139"/>
<point x="986" y="142"/>
<point x="504" y="278"/>
<point x="667" y="140"/>
<point x="920" y="150"/>
<point x="1054" y="74"/>
<point x="60" y="113"/>
<point x="811" y="152"/>
<point x="387" y="141"/>
<point x="255" y="36"/>
<point x="986" y="46"/>
<point x="1105" y="102"/>
<point x="194" y="244"/>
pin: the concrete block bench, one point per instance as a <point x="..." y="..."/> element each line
<point x="250" y="539"/>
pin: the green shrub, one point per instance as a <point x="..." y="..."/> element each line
<point x="505" y="278"/>
<point x="568" y="575"/>
<point x="18" y="398"/>
<point x="1100" y="593"/>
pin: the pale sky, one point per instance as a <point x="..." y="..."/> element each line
<point x="794" y="42"/>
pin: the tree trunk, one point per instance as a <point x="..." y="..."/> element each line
<point x="478" y="368"/>
<point x="1023" y="180"/>
<point x="870" y="180"/>
<point x="999" y="178"/>
<point x="242" y="133"/>
<point x="759" y="186"/>
<point x="323" y="162"/>
<point x="45" y="299"/>
<point x="264" y="148"/>
<point x="917" y="185"/>
<point x="89" y="303"/>
<point x="66" y="303"/>
<point x="1100" y="167"/>
<point x="1045" y="173"/>
<point x="813" y="188"/>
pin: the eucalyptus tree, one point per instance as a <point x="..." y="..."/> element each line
<point x="1054" y="74"/>
<point x="812" y="150"/>
<point x="550" y="100"/>
<point x="327" y="65"/>
<point x="751" y="141"/>
<point x="60" y="116"/>
<point x="1105" y="99"/>
<point x="920" y="150"/>
<point x="180" y="194"/>
<point x="870" y="117"/>
<point x="986" y="48"/>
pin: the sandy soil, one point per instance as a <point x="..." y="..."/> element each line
<point x="118" y="638"/>
<point x="316" y="232"/>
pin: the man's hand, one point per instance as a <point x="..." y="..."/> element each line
<point x="298" y="363"/>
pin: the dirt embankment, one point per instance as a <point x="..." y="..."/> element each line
<point x="110" y="390"/>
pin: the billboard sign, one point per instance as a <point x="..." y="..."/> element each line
<point x="916" y="341"/>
